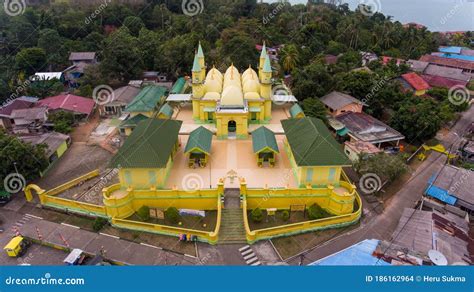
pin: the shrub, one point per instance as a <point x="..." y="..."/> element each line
<point x="172" y="214"/>
<point x="285" y="215"/>
<point x="316" y="212"/>
<point x="144" y="213"/>
<point x="98" y="224"/>
<point x="257" y="215"/>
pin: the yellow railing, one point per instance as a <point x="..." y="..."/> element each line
<point x="75" y="206"/>
<point x="72" y="183"/>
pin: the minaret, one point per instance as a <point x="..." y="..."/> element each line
<point x="202" y="62"/>
<point x="263" y="54"/>
<point x="197" y="81"/>
<point x="266" y="86"/>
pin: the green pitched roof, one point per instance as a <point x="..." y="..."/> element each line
<point x="263" y="138"/>
<point x="200" y="53"/>
<point x="133" y="121"/>
<point x="312" y="144"/>
<point x="266" y="65"/>
<point x="200" y="138"/>
<point x="178" y="86"/>
<point x="263" y="54"/>
<point x="147" y="99"/>
<point x="149" y="146"/>
<point x="167" y="110"/>
<point x="295" y="110"/>
<point x="196" y="65"/>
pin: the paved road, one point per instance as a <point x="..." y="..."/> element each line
<point x="383" y="225"/>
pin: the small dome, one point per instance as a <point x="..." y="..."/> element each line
<point x="252" y="95"/>
<point x="248" y="73"/>
<point x="251" y="86"/>
<point x="212" y="96"/>
<point x="232" y="72"/>
<point x="232" y="96"/>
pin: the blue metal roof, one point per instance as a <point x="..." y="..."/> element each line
<point x="459" y="57"/>
<point x="440" y="194"/>
<point x="359" y="254"/>
<point x="450" y="50"/>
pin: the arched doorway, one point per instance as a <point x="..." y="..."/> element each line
<point x="231" y="128"/>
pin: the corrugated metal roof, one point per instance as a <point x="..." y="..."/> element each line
<point x="200" y="138"/>
<point x="178" y="86"/>
<point x="337" y="100"/>
<point x="147" y="100"/>
<point x="295" y="110"/>
<point x="263" y="138"/>
<point x="166" y="110"/>
<point x="133" y="121"/>
<point x="312" y="144"/>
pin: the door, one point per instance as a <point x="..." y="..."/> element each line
<point x="231" y="127"/>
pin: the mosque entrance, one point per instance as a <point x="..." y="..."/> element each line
<point x="231" y="127"/>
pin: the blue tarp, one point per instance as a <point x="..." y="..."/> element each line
<point x="359" y="254"/>
<point x="459" y="57"/>
<point x="440" y="194"/>
<point x="450" y="50"/>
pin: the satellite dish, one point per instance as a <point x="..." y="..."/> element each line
<point x="437" y="258"/>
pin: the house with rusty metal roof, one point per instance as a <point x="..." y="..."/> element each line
<point x="337" y="103"/>
<point x="363" y="127"/>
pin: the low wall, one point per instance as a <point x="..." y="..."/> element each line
<point x="301" y="227"/>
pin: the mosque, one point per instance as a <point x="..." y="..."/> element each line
<point x="232" y="101"/>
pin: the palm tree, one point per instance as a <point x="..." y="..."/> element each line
<point x="289" y="57"/>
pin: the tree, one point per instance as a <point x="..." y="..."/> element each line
<point x="45" y="88"/>
<point x="31" y="60"/>
<point x="312" y="80"/>
<point x="418" y="119"/>
<point x="387" y="167"/>
<point x="30" y="159"/>
<point x="49" y="40"/>
<point x="257" y="215"/>
<point x="144" y="213"/>
<point x="313" y="107"/>
<point x="121" y="56"/>
<point x="289" y="58"/>
<point x="172" y="214"/>
<point x="240" y="50"/>
<point x="134" y="24"/>
<point x="62" y="121"/>
<point x="317" y="212"/>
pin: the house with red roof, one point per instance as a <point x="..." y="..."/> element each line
<point x="439" y="81"/>
<point x="413" y="82"/>
<point x="80" y="106"/>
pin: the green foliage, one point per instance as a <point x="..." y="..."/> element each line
<point x="99" y="223"/>
<point x="134" y="24"/>
<point x="316" y="212"/>
<point x="285" y="215"/>
<point x="30" y="160"/>
<point x="30" y="60"/>
<point x="257" y="215"/>
<point x="172" y="214"/>
<point x="45" y="88"/>
<point x="313" y="107"/>
<point x="385" y="166"/>
<point x="62" y="121"/>
<point x="144" y="213"/>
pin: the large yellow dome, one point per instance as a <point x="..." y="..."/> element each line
<point x="232" y="96"/>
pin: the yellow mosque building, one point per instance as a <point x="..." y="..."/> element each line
<point x="231" y="100"/>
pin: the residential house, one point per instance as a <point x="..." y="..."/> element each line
<point x="147" y="101"/>
<point x="418" y="66"/>
<point x="368" y="57"/>
<point x="81" y="107"/>
<point x="29" y="120"/>
<point x="338" y="103"/>
<point x="121" y="97"/>
<point x="83" y="57"/>
<point x="80" y="61"/>
<point x="156" y="78"/>
<point x="316" y="157"/>
<point x="56" y="143"/>
<point x="6" y="110"/>
<point x="166" y="112"/>
<point x="453" y="186"/>
<point x="447" y="72"/>
<point x="386" y="60"/>
<point x="466" y="151"/>
<point x="423" y="231"/>
<point x="146" y="165"/>
<point x="356" y="150"/>
<point x="413" y="82"/>
<point x="363" y="127"/>
<point x="296" y="112"/>
<point x="438" y="81"/>
<point x="466" y="66"/>
<point x="330" y="59"/>
<point x="127" y="126"/>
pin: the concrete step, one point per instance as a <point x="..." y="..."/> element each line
<point x="244" y="248"/>
<point x="246" y="252"/>
<point x="252" y="260"/>
<point x="249" y="256"/>
<point x="256" y="264"/>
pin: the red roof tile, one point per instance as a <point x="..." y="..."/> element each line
<point x="439" y="81"/>
<point x="69" y="102"/>
<point x="449" y="62"/>
<point x="415" y="81"/>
